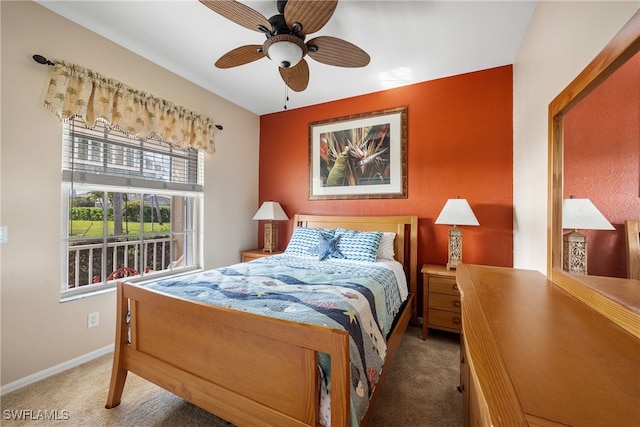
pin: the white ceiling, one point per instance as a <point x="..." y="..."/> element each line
<point x="408" y="41"/>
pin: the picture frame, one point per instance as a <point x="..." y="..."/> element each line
<point x="361" y="156"/>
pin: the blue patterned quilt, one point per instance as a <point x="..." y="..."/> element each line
<point x="361" y="298"/>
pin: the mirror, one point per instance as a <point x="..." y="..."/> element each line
<point x="564" y="112"/>
<point x="601" y="157"/>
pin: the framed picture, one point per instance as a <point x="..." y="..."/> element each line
<point x="359" y="157"/>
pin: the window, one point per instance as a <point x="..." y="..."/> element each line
<point x="132" y="207"/>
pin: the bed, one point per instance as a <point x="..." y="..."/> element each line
<point x="248" y="368"/>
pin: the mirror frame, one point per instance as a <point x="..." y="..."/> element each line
<point x="621" y="48"/>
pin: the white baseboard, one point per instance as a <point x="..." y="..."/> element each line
<point x="7" y="388"/>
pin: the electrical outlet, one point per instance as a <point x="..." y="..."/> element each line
<point x="93" y="319"/>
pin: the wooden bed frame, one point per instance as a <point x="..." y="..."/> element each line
<point x="245" y="368"/>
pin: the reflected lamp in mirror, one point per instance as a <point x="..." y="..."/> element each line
<point x="456" y="212"/>
<point x="579" y="214"/>
<point x="270" y="212"/>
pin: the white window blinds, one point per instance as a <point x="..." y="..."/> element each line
<point x="104" y="156"/>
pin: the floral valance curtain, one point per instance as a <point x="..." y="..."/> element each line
<point x="77" y="91"/>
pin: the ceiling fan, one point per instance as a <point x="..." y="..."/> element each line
<point x="285" y="33"/>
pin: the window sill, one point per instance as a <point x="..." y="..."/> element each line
<point x="79" y="293"/>
<point x="67" y="296"/>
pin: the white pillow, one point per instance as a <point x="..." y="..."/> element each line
<point x="385" y="250"/>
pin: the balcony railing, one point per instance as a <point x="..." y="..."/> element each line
<point x="85" y="260"/>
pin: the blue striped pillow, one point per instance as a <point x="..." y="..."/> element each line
<point x="359" y="245"/>
<point x="304" y="238"/>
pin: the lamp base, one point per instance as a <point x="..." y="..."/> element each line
<point x="270" y="237"/>
<point x="574" y="253"/>
<point x="455" y="248"/>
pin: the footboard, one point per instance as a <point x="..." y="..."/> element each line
<point x="248" y="369"/>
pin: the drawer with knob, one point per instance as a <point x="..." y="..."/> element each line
<point x="445" y="320"/>
<point x="444" y="302"/>
<point x="443" y="285"/>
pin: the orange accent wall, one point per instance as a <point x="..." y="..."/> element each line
<point x="602" y="163"/>
<point x="460" y="143"/>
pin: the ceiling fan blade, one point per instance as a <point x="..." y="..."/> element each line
<point x="334" y="51"/>
<point x="239" y="13"/>
<point x="312" y="15"/>
<point x="297" y="77"/>
<point x="240" y="56"/>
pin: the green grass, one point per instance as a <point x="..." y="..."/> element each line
<point x="94" y="228"/>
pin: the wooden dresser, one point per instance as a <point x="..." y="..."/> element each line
<point x="532" y="354"/>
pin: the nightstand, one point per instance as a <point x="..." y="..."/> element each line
<point x="256" y="253"/>
<point x="440" y="299"/>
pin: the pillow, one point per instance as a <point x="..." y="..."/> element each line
<point x="359" y="245"/>
<point x="326" y="248"/>
<point x="386" y="249"/>
<point x="304" y="238"/>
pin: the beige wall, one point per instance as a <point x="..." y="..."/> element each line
<point x="562" y="38"/>
<point x="38" y="332"/>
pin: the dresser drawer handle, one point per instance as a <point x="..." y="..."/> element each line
<point x="456" y="303"/>
<point x="455" y="287"/>
<point x="455" y="320"/>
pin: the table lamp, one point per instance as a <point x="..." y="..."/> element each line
<point x="270" y="211"/>
<point x="456" y="212"/>
<point x="579" y="214"/>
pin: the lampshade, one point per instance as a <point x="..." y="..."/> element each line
<point x="581" y="214"/>
<point x="457" y="212"/>
<point x="285" y="53"/>
<point x="271" y="211"/>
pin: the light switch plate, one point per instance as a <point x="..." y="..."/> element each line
<point x="4" y="234"/>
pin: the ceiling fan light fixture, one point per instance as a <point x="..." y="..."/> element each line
<point x="285" y="54"/>
<point x="285" y="50"/>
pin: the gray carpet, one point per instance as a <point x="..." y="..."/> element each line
<point x="420" y="390"/>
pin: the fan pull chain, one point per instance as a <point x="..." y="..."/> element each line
<point x="286" y="95"/>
